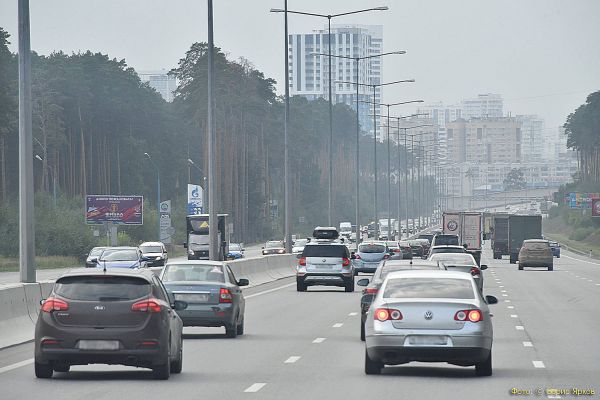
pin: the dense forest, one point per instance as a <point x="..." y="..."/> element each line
<point x="93" y="120"/>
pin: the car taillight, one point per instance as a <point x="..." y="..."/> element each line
<point x="387" y="314"/>
<point x="52" y="304"/>
<point x="475" y="271"/>
<point x="148" y="305"/>
<point x="372" y="291"/>
<point x="468" y="315"/>
<point x="225" y="296"/>
<point x="357" y="256"/>
<point x="345" y="262"/>
<point x="397" y="250"/>
<point x="386" y="256"/>
<point x="302" y="261"/>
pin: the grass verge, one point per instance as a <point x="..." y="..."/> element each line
<point x="12" y="264"/>
<point x="581" y="246"/>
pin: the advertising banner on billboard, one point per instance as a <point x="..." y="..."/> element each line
<point x="596" y="208"/>
<point x="119" y="210"/>
<point x="582" y="200"/>
<point x="195" y="195"/>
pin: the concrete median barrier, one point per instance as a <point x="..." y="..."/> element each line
<point x="16" y="326"/>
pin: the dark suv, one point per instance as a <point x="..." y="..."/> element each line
<point x="114" y="316"/>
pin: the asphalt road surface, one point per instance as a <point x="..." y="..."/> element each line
<point x="307" y="346"/>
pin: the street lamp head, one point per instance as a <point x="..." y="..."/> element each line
<point x="381" y="8"/>
<point x="147" y="155"/>
<point x="38" y="157"/>
<point x="190" y="161"/>
<point x="276" y="10"/>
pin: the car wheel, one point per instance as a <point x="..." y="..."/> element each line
<point x="349" y="286"/>
<point x="231" y="331"/>
<point x="362" y="331"/>
<point x="177" y="365"/>
<point x="372" y="367"/>
<point x="558" y="256"/>
<point x="484" y="368"/>
<point x="300" y="286"/>
<point x="550" y="267"/>
<point x="162" y="372"/>
<point x="240" y="327"/>
<point x="521" y="267"/>
<point x="61" y="367"/>
<point x="43" y="371"/>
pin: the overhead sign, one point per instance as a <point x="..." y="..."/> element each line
<point x="195" y="195"/>
<point x="119" y="210"/>
<point x="596" y="208"/>
<point x="582" y="200"/>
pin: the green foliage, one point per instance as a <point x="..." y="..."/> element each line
<point x="581" y="234"/>
<point x="515" y="180"/>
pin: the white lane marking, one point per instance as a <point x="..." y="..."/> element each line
<point x="577" y="259"/>
<point x="268" y="291"/>
<point x="527" y="344"/>
<point x="576" y="276"/>
<point x="338" y="325"/>
<point x="597" y="284"/>
<point x="501" y="286"/>
<point x="352" y="314"/>
<point x="255" y="387"/>
<point x="503" y="291"/>
<point x="319" y="340"/>
<point x="504" y="294"/>
<point x="511" y="307"/>
<point x="507" y="301"/>
<point x="292" y="359"/>
<point x="514" y="316"/>
<point x="16" y="365"/>
<point x="520" y="328"/>
<point x="538" y="364"/>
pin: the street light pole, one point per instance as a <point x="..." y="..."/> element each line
<point x="213" y="251"/>
<point x="286" y="168"/>
<point x="157" y="191"/>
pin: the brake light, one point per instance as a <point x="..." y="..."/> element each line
<point x="302" y="261"/>
<point x="372" y="291"/>
<point x="397" y="250"/>
<point x="53" y="304"/>
<point x="225" y="296"/>
<point x="386" y="256"/>
<point x="50" y="342"/>
<point x="357" y="256"/>
<point x="387" y="314"/>
<point x="148" y="305"/>
<point x="468" y="315"/>
<point x="475" y="271"/>
<point x="345" y="262"/>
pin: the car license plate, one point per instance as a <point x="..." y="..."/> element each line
<point x="324" y="266"/>
<point x="192" y="297"/>
<point x="427" y="340"/>
<point x="99" y="345"/>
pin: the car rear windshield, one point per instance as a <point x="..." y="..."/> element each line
<point x="407" y="267"/>
<point x="102" y="288"/>
<point x="325" y="251"/>
<point x="454" y="258"/>
<point x="151" y="249"/>
<point x="371" y="248"/>
<point x="449" y="250"/>
<point x="119" y="255"/>
<point x="429" y="288"/>
<point x="273" y="245"/>
<point x="446" y="240"/>
<point x="535" y="245"/>
<point x="96" y="252"/>
<point x="182" y="273"/>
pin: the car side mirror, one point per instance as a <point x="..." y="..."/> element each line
<point x="263" y="247"/>
<point x="42" y="302"/>
<point x="94" y="260"/>
<point x="179" y="305"/>
<point x="491" y="299"/>
<point x="362" y="282"/>
<point x="243" y="282"/>
<point x="483" y="267"/>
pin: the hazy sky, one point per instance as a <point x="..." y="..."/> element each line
<point x="543" y="56"/>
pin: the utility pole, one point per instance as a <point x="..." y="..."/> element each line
<point x="287" y="201"/>
<point x="26" y="194"/>
<point x="213" y="227"/>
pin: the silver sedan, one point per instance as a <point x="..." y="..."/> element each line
<point x="429" y="316"/>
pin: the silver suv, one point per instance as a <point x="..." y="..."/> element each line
<point x="324" y="262"/>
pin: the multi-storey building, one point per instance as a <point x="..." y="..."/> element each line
<point x="160" y="81"/>
<point x="309" y="68"/>
<point x="484" y="106"/>
<point x="533" y="139"/>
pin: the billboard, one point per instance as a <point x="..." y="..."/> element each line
<point x="578" y="200"/>
<point x="596" y="208"/>
<point x="119" y="210"/>
<point x="195" y="194"/>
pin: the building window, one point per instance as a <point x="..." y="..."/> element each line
<point x="479" y="133"/>
<point x="519" y="136"/>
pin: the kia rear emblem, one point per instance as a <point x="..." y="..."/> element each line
<point x="99" y="308"/>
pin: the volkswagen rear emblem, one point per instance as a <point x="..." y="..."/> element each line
<point x="428" y="315"/>
<point x="324" y="260"/>
<point x="99" y="308"/>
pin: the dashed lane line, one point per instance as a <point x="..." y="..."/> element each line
<point x="511" y="307"/>
<point x="337" y="325"/>
<point x="538" y="364"/>
<point x="352" y="314"/>
<point x="514" y="316"/>
<point x="527" y="344"/>
<point x="255" y="387"/>
<point x="519" y="327"/>
<point x="319" y="340"/>
<point x="292" y="360"/>
<point x="269" y="291"/>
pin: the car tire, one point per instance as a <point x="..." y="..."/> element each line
<point x="300" y="286"/>
<point x="521" y="267"/>
<point x="177" y="365"/>
<point x="362" y="331"/>
<point x="349" y="287"/>
<point x="240" y="327"/>
<point x="231" y="331"/>
<point x="162" y="372"/>
<point x="43" y="371"/>
<point x="61" y="367"/>
<point x="558" y="256"/>
<point x="372" y="367"/>
<point x="550" y="267"/>
<point x="484" y="368"/>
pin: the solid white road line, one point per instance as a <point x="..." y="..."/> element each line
<point x="255" y="387"/>
<point x="292" y="359"/>
<point x="319" y="340"/>
<point x="269" y="291"/>
<point x="527" y="344"/>
<point x="352" y="314"/>
<point x="338" y="325"/>
<point x="538" y="364"/>
<point x="520" y="328"/>
<point x="577" y="259"/>
<point x="16" y="365"/>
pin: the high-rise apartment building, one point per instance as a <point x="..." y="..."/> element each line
<point x="160" y="81"/>
<point x="484" y="106"/>
<point x="533" y="139"/>
<point x="309" y="68"/>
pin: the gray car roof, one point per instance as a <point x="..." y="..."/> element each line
<point x="138" y="272"/>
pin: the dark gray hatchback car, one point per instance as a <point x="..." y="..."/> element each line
<point x="114" y="316"/>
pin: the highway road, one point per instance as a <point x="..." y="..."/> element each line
<point x="306" y="346"/>
<point x="52" y="274"/>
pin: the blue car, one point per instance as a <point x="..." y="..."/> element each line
<point x="555" y="247"/>
<point x="121" y="257"/>
<point x="236" y="251"/>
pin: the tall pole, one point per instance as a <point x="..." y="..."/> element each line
<point x="212" y="145"/>
<point x="26" y="194"/>
<point x="412" y="181"/>
<point x="376" y="229"/>
<point x="286" y="178"/>
<point x="406" y="179"/>
<point x="158" y="199"/>
<point x="389" y="178"/>
<point x="357" y="216"/>
<point x="330" y="199"/>
<point x="399" y="185"/>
